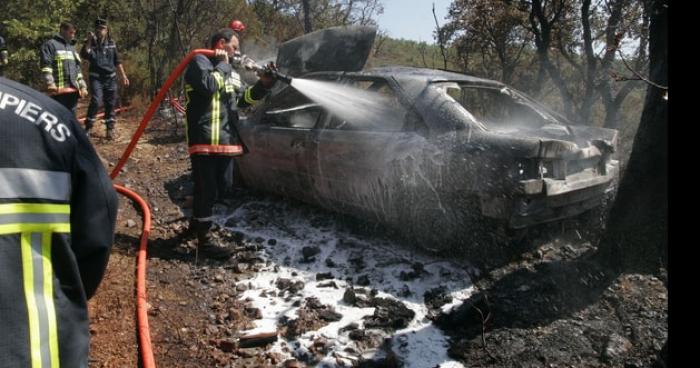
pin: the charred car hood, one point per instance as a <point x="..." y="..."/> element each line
<point x="331" y="49"/>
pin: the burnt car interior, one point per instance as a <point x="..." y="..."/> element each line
<point x="497" y="108"/>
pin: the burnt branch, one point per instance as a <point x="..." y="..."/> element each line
<point x="637" y="74"/>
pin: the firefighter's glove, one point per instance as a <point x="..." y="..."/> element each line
<point x="268" y="77"/>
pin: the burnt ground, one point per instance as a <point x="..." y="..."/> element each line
<point x="553" y="306"/>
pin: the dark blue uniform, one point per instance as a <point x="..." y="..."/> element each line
<point x="103" y="58"/>
<point x="57" y="215"/>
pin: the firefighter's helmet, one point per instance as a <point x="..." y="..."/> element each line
<point x="237" y="26"/>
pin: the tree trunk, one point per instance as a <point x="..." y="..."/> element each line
<point x="591" y="64"/>
<point x="636" y="239"/>
<point x="308" y="27"/>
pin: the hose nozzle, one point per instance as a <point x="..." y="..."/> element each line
<point x="283" y="77"/>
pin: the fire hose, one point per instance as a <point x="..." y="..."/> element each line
<point x="141" y="304"/>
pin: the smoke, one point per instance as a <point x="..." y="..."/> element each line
<point x="262" y="51"/>
<point x="353" y="107"/>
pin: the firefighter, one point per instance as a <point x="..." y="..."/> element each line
<point x="60" y="66"/>
<point x="101" y="51"/>
<point x="4" y="56"/>
<point x="57" y="217"/>
<point x="213" y="93"/>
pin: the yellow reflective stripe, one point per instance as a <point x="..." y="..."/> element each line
<point x="48" y="297"/>
<point x="47" y="69"/>
<point x="60" y="73"/>
<point x="248" y="97"/>
<point x="7" y="208"/>
<point x="32" y="310"/>
<point x="37" y="228"/>
<point x="218" y="78"/>
<point x="215" y="118"/>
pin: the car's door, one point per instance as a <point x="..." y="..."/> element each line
<point x="280" y="145"/>
<point x="360" y="162"/>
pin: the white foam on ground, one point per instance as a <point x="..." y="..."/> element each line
<point x="419" y="345"/>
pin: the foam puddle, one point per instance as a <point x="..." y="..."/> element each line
<point x="419" y="345"/>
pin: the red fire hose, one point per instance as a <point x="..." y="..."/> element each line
<point x="141" y="304"/>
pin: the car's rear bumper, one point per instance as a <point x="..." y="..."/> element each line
<point x="546" y="200"/>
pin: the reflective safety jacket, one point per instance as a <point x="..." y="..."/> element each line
<point x="213" y="91"/>
<point x="60" y="64"/>
<point x="57" y="217"/>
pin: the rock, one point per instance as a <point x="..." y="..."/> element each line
<point x="258" y="339"/>
<point x="389" y="314"/>
<point x="130" y="223"/>
<point x="405" y="291"/>
<point x="350" y="327"/>
<point x="330" y="263"/>
<point x="330" y="315"/>
<point x="224" y="345"/>
<point x="292" y="363"/>
<point x="349" y="296"/>
<point x="309" y="252"/>
<point x="363" y="280"/>
<point x="436" y="298"/>
<point x="357" y="298"/>
<point x="290" y="286"/>
<point x="328" y="284"/>
<point x="616" y="348"/>
<point x="241" y="287"/>
<point x="272" y="241"/>
<point x="314" y="303"/>
<point x="357" y="335"/>
<point x="324" y="276"/>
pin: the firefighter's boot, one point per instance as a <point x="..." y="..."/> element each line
<point x="211" y="247"/>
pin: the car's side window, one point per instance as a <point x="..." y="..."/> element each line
<point x="291" y="109"/>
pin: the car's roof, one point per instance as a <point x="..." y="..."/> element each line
<point x="416" y="74"/>
<point x="414" y="80"/>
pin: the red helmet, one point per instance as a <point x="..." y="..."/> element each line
<point x="237" y="25"/>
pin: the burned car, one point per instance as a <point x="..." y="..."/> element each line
<point x="450" y="153"/>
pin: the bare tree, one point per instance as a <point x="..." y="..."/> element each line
<point x="440" y="35"/>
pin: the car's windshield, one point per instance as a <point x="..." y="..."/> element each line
<point x="497" y="108"/>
